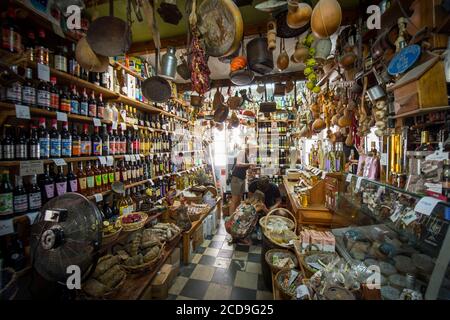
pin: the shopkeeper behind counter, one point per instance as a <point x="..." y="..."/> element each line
<point x="272" y="195"/>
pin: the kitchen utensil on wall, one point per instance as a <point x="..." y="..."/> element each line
<point x="271" y="35"/>
<point x="229" y="58"/>
<point x="169" y="12"/>
<point x="283" y="30"/>
<point x="234" y="102"/>
<point x="376" y="92"/>
<point x="169" y="64"/>
<point x="301" y="52"/>
<point x="242" y="77"/>
<point x="221" y="26"/>
<point x="323" y="49"/>
<point x="221" y="113"/>
<point x="88" y="59"/>
<point x="259" y="58"/>
<point x="218" y="99"/>
<point x="183" y="69"/>
<point x="326" y="18"/>
<point x="283" y="58"/>
<point x="299" y="14"/>
<point x="110" y="36"/>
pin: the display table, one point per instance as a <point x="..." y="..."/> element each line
<point x="314" y="214"/>
<point x="195" y="225"/>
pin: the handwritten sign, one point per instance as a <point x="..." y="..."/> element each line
<point x="59" y="162"/>
<point x="109" y="161"/>
<point x="426" y="205"/>
<point x="97" y="122"/>
<point x="22" y="112"/>
<point x="102" y="160"/>
<point x="61" y="116"/>
<point x="28" y="168"/>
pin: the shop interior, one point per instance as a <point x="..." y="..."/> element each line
<point x="225" y="150"/>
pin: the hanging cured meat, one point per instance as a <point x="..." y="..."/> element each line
<point x="200" y="71"/>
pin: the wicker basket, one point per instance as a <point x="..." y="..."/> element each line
<point x="129" y="227"/>
<point x="147" y="265"/>
<point x="292" y="226"/>
<point x="309" y="272"/>
<point x="284" y="294"/>
<point x="111" y="237"/>
<point x="283" y="254"/>
<point x="9" y="291"/>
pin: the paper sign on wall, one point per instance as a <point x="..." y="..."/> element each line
<point x="98" y="197"/>
<point x="6" y="227"/>
<point x="349" y="177"/>
<point x="22" y="112"/>
<point x="28" y="168"/>
<point x="102" y="160"/>
<point x="426" y="205"/>
<point x="384" y="159"/>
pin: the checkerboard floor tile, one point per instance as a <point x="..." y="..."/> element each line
<point x="220" y="270"/>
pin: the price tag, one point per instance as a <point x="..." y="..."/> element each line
<point x="160" y="178"/>
<point x="437" y="156"/>
<point x="127" y="157"/>
<point x="147" y="123"/>
<point x="28" y="168"/>
<point x="123" y="115"/>
<point x="61" y="116"/>
<point x="43" y="72"/>
<point x="123" y="126"/>
<point x="168" y="175"/>
<point x="133" y="157"/>
<point x="32" y="216"/>
<point x="6" y="227"/>
<point x="22" y="112"/>
<point x="396" y="215"/>
<point x="135" y="127"/>
<point x="384" y="159"/>
<point x="109" y="161"/>
<point x="138" y="157"/>
<point x="97" y="122"/>
<point x="434" y="187"/>
<point x="98" y="197"/>
<point x="114" y="125"/>
<point x="151" y="182"/>
<point x="60" y="162"/>
<point x="409" y="217"/>
<point x="102" y="160"/>
<point x="426" y="205"/>
<point x="349" y="177"/>
<point x="358" y="183"/>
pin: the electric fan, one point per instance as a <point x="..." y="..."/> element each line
<point x="68" y="232"/>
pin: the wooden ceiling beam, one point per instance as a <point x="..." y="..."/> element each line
<point x="270" y="78"/>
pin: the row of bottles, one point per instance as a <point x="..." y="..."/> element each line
<point x="268" y="128"/>
<point x="330" y="159"/>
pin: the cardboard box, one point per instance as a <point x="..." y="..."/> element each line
<point x="174" y="258"/>
<point x="161" y="282"/>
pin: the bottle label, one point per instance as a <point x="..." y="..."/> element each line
<point x="111" y="177"/>
<point x="6" y="203"/>
<point x="54" y="101"/>
<point x="55" y="147"/>
<point x="21" y="151"/>
<point x="34" y="151"/>
<point x="76" y="148"/>
<point x="8" y="152"/>
<point x="105" y="178"/>
<point x="60" y="63"/>
<point x="97" y="148"/>
<point x="74" y="106"/>
<point x="35" y="200"/>
<point x="100" y="112"/>
<point x="92" y="110"/>
<point x="28" y="95"/>
<point x="66" y="147"/>
<point x="73" y="185"/>
<point x="82" y="182"/>
<point x="125" y="175"/>
<point x="129" y="174"/>
<point x="61" y="188"/>
<point x="85" y="148"/>
<point x="112" y="147"/>
<point x="14" y="92"/>
<point x="44" y="144"/>
<point x="123" y="210"/>
<point x="117" y="176"/>
<point x="43" y="98"/>
<point x="49" y="191"/>
<point x="65" y="105"/>
<point x="105" y="148"/>
<point x="98" y="180"/>
<point x="20" y="203"/>
<point x="84" y="108"/>
<point x="90" y="182"/>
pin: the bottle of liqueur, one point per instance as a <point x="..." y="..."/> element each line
<point x="28" y="89"/>
<point x="20" y="197"/>
<point x="11" y="38"/>
<point x="74" y="101"/>
<point x="66" y="141"/>
<point x="105" y="178"/>
<point x="105" y="141"/>
<point x="47" y="185"/>
<point x="40" y="49"/>
<point x="118" y="172"/>
<point x="74" y="67"/>
<point x="425" y="144"/>
<point x="54" y="95"/>
<point x="98" y="177"/>
<point x="100" y="107"/>
<point x="44" y="140"/>
<point x="123" y="172"/>
<point x="33" y="144"/>
<point x="43" y="95"/>
<point x="6" y="196"/>
<point x="29" y="46"/>
<point x="84" y="104"/>
<point x="96" y="143"/>
<point x="60" y="182"/>
<point x="14" y="90"/>
<point x="8" y="144"/>
<point x="82" y="183"/>
<point x="64" y="101"/>
<point x="55" y="140"/>
<point x="111" y="175"/>
<point x="90" y="179"/>
<point x="112" y="142"/>
<point x="76" y="142"/>
<point x="21" y="147"/>
<point x="92" y="105"/>
<point x="85" y="142"/>
<point x="122" y="204"/>
<point x="72" y="179"/>
<point x="34" y="195"/>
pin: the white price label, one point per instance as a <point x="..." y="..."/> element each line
<point x="160" y="178"/>
<point x="123" y="126"/>
<point x="28" y="168"/>
<point x="151" y="182"/>
<point x="98" y="197"/>
<point x="114" y="125"/>
<point x="324" y="175"/>
<point x="109" y="161"/>
<point x="434" y="187"/>
<point x="60" y="162"/>
<point x="349" y="177"/>
<point x="6" y="227"/>
<point x="32" y="216"/>
<point x="147" y="123"/>
<point x="97" y="122"/>
<point x="43" y="72"/>
<point x="426" y="205"/>
<point x="409" y="217"/>
<point x="138" y="157"/>
<point x="384" y="159"/>
<point x="61" y="116"/>
<point x="437" y="156"/>
<point x="127" y="157"/>
<point x="358" y="183"/>
<point x="102" y="160"/>
<point x="168" y="175"/>
<point x="133" y="157"/>
<point x="22" y="112"/>
<point x="135" y="127"/>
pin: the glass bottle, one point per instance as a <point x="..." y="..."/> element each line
<point x="55" y="140"/>
<point x="47" y="185"/>
<point x="92" y="105"/>
<point x="82" y="181"/>
<point x="74" y="67"/>
<point x="28" y="89"/>
<point x="20" y="197"/>
<point x="425" y="144"/>
<point x="11" y="38"/>
<point x="6" y="196"/>
<point x="61" y="58"/>
<point x="122" y="205"/>
<point x="64" y="100"/>
<point x="54" y="95"/>
<point x="66" y="141"/>
<point x="41" y="50"/>
<point x="84" y="105"/>
<point x="105" y="178"/>
<point x="112" y="142"/>
<point x="111" y="175"/>
<point x="105" y="137"/>
<point x="34" y="195"/>
<point x="446" y="180"/>
<point x="100" y="107"/>
<point x="33" y="144"/>
<point x="90" y="179"/>
<point x="76" y="142"/>
<point x="72" y="179"/>
<point x="74" y="101"/>
<point x="60" y="182"/>
<point x="43" y="95"/>
<point x="29" y="46"/>
<point x="44" y="140"/>
<point x="85" y="142"/>
<point x="98" y="177"/>
<point x="14" y="89"/>
<point x="96" y="143"/>
<point x="20" y="145"/>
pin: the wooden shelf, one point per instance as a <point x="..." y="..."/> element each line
<point x="118" y="66"/>
<point x="421" y="111"/>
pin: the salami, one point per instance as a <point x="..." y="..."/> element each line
<point x="200" y="71"/>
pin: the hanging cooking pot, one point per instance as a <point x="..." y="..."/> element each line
<point x="323" y="49"/>
<point x="183" y="69"/>
<point x="260" y="88"/>
<point x="259" y="57"/>
<point x="221" y="114"/>
<point x="88" y="59"/>
<point x="169" y="64"/>
<point x="110" y="36"/>
<point x="376" y="92"/>
<point x="218" y="99"/>
<point x="229" y="58"/>
<point x="221" y="26"/>
<point x="156" y="88"/>
<point x="241" y="75"/>
<point x="169" y="12"/>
